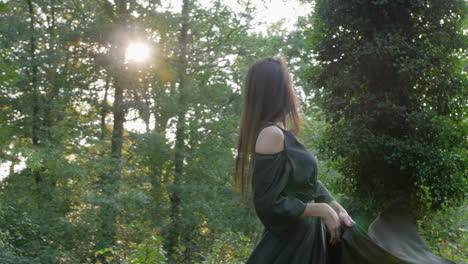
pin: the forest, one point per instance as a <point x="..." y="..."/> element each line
<point x="119" y="121"/>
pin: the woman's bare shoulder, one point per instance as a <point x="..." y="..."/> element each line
<point x="270" y="140"/>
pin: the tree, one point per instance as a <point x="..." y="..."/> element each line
<point x="390" y="80"/>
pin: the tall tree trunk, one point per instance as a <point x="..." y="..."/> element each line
<point x="12" y="165"/>
<point x="35" y="99"/>
<point x="34" y="88"/>
<point x="118" y="54"/>
<point x="53" y="91"/>
<point x="119" y="119"/>
<point x="110" y="181"/>
<point x="52" y="100"/>
<point x="104" y="109"/>
<point x="180" y="132"/>
<point x="155" y="180"/>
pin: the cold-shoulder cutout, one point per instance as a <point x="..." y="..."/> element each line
<point x="270" y="141"/>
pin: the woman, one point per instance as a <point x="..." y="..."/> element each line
<point x="302" y="221"/>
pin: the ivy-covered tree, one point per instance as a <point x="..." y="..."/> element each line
<point x="390" y="79"/>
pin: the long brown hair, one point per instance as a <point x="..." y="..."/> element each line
<point x="268" y="96"/>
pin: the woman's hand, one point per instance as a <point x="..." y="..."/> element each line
<point x="332" y="221"/>
<point x="345" y="220"/>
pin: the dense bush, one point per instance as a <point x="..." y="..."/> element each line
<point x="389" y="79"/>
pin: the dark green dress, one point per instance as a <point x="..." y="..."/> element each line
<point x="282" y="185"/>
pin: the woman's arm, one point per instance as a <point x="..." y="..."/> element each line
<point x="323" y="195"/>
<point x="329" y="216"/>
<point x="315" y="210"/>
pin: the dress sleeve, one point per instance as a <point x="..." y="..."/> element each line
<point x="322" y="193"/>
<point x="275" y="209"/>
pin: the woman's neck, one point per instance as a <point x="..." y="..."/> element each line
<point x="279" y="123"/>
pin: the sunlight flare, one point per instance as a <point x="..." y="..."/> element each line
<point x="137" y="52"/>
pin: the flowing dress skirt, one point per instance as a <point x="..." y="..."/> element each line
<point x="392" y="239"/>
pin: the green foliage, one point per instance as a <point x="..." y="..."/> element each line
<point x="20" y="238"/>
<point x="106" y="255"/>
<point x="229" y="247"/>
<point x="56" y="108"/>
<point x="389" y="79"/>
<point x="446" y="232"/>
<point x="8" y="257"/>
<point x="149" y="252"/>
